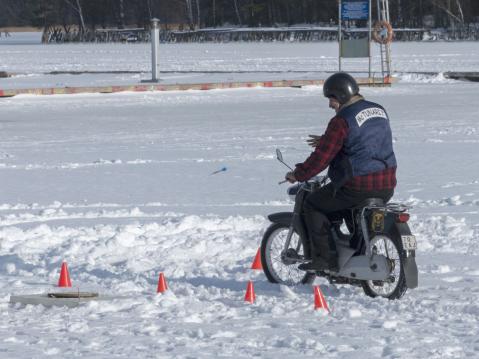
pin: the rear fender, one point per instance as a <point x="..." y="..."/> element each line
<point x="409" y="263"/>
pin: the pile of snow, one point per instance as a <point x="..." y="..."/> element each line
<point x="186" y="247"/>
<point x="423" y="78"/>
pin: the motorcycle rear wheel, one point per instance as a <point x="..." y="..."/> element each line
<point x="395" y="287"/>
<point x="275" y="267"/>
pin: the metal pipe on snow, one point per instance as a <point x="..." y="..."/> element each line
<point x="155" y="43"/>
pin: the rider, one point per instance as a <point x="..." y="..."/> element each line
<point x="357" y="146"/>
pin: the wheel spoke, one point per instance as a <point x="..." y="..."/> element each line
<point x="283" y="273"/>
<point x="386" y="247"/>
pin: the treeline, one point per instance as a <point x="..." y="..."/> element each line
<point x="194" y="14"/>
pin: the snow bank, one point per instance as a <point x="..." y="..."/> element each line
<point x="423" y="78"/>
<point x="181" y="246"/>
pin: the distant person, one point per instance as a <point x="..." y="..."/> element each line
<point x="357" y="146"/>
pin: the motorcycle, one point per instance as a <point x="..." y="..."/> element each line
<point x="378" y="254"/>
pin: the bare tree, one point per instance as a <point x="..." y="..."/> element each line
<point x="461" y="14"/>
<point x="237" y="12"/>
<point x="122" y="14"/>
<point x="78" y="8"/>
<point x="198" y="21"/>
<point x="148" y="4"/>
<point x="447" y="8"/>
<point x="86" y="13"/>
<point x="214" y="12"/>
<point x="399" y="19"/>
<point x="189" y="12"/>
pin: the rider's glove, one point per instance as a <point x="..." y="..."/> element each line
<point x="290" y="177"/>
<point x="313" y="141"/>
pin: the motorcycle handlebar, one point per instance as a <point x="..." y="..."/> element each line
<point x="319" y="179"/>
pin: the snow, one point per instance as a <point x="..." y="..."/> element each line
<point x="212" y="62"/>
<point x="121" y="187"/>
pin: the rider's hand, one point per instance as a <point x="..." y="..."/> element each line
<point x="313" y="141"/>
<point x="290" y="177"/>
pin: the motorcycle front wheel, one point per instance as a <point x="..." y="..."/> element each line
<point x="279" y="264"/>
<point x="395" y="286"/>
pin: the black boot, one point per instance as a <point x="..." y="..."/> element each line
<point x="317" y="264"/>
<point x="321" y="264"/>
<point x="324" y="257"/>
<point x="333" y="262"/>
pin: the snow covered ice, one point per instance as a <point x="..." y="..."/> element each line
<point x="120" y="186"/>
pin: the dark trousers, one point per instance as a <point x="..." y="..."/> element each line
<point x="325" y="205"/>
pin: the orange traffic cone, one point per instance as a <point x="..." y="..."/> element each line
<point x="257" y="261"/>
<point x="162" y="286"/>
<point x="319" y="301"/>
<point x="250" y="296"/>
<point x="64" y="280"/>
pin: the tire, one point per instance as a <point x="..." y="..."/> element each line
<point x="274" y="267"/>
<point x="392" y="249"/>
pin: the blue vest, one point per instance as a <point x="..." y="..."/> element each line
<point x="368" y="147"/>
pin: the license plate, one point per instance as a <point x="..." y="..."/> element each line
<point x="409" y="242"/>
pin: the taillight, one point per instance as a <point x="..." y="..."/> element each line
<point x="402" y="217"/>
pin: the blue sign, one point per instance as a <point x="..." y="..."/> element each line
<point x="354" y="9"/>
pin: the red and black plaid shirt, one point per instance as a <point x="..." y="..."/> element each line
<point x="329" y="145"/>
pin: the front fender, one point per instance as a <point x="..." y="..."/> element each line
<point x="281" y="218"/>
<point x="288" y="218"/>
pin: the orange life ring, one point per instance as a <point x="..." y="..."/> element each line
<point x="382" y="32"/>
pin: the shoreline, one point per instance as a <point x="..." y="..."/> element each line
<point x="12" y="29"/>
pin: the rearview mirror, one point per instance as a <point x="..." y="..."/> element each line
<point x="279" y="155"/>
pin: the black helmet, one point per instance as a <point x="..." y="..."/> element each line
<point x="341" y="86"/>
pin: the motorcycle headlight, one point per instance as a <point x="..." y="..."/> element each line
<point x="292" y="191"/>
